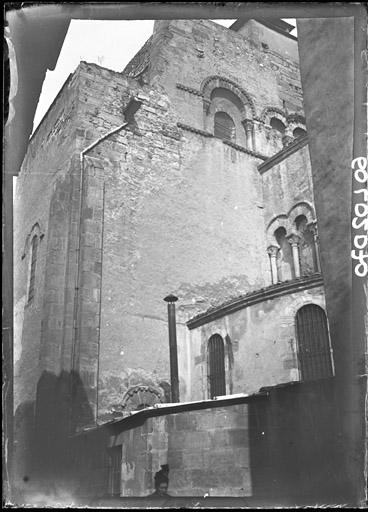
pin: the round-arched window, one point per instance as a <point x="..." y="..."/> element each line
<point x="277" y="125"/>
<point x="216" y="366"/>
<point x="307" y="250"/>
<point x="299" y="132"/>
<point x="313" y="343"/>
<point x="285" y="266"/>
<point x="224" y="127"/>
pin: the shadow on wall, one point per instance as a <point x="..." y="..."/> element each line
<point x="42" y="430"/>
<point x="296" y="447"/>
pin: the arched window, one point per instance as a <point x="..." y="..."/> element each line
<point x="313" y="343"/>
<point x="224" y="127"/>
<point x="285" y="267"/>
<point x="277" y="125"/>
<point x="299" y="132"/>
<point x="216" y="366"/>
<point x="32" y="271"/>
<point x="307" y="250"/>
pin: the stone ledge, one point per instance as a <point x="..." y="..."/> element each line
<point x="271" y="292"/>
<point x="194" y="130"/>
<point x="191" y="90"/>
<point x="284" y="153"/>
<point x="244" y="150"/>
<point x="228" y="143"/>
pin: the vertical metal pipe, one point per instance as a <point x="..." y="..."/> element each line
<point x="174" y="374"/>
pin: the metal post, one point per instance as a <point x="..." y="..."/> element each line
<point x="174" y="374"/>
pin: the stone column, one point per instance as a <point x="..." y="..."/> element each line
<point x="294" y="242"/>
<point x="312" y="226"/>
<point x="248" y="126"/>
<point x="272" y="253"/>
<point x="206" y="105"/>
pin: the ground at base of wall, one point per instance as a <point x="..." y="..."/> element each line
<point x="193" y="502"/>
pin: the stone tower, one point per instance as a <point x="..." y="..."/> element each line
<point x="147" y="182"/>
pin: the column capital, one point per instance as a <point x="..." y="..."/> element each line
<point x="312" y="226"/>
<point x="247" y="123"/>
<point x="294" y="239"/>
<point x="272" y="250"/>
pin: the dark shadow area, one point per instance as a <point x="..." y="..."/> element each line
<point x="44" y="456"/>
<point x="296" y="447"/>
<point x="24" y="435"/>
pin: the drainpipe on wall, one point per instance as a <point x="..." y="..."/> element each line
<point x="174" y="374"/>
<point x="129" y="111"/>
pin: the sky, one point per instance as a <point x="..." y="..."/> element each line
<point x="111" y="44"/>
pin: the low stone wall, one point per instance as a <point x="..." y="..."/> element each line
<point x="276" y="445"/>
<point x="208" y="452"/>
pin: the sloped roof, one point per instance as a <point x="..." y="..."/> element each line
<point x="276" y="24"/>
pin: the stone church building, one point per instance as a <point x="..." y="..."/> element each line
<point x="187" y="173"/>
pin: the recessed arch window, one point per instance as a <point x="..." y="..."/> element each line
<point x="32" y="271"/>
<point x="216" y="366"/>
<point x="224" y="127"/>
<point x="307" y="250"/>
<point x="277" y="125"/>
<point x="299" y="132"/>
<point x="313" y="343"/>
<point x="285" y="266"/>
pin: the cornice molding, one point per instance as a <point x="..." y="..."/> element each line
<point x="194" y="130"/>
<point x="271" y="292"/>
<point x="244" y="150"/>
<point x="191" y="90"/>
<point x="227" y="142"/>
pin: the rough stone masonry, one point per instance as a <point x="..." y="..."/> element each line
<point x="160" y="206"/>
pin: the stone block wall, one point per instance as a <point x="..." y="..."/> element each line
<point x="181" y="215"/>
<point x="160" y="208"/>
<point x="277" y="446"/>
<point x="261" y="346"/>
<point x="46" y="202"/>
<point x="287" y="184"/>
<point x="185" y="53"/>
<point x="273" y="446"/>
<point x="144" y="451"/>
<point x="42" y="198"/>
<point x="208" y="452"/>
<point x="267" y="39"/>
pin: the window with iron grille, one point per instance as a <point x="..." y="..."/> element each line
<point x="224" y="127"/>
<point x="313" y="343"/>
<point x="216" y="366"/>
<point x="32" y="273"/>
